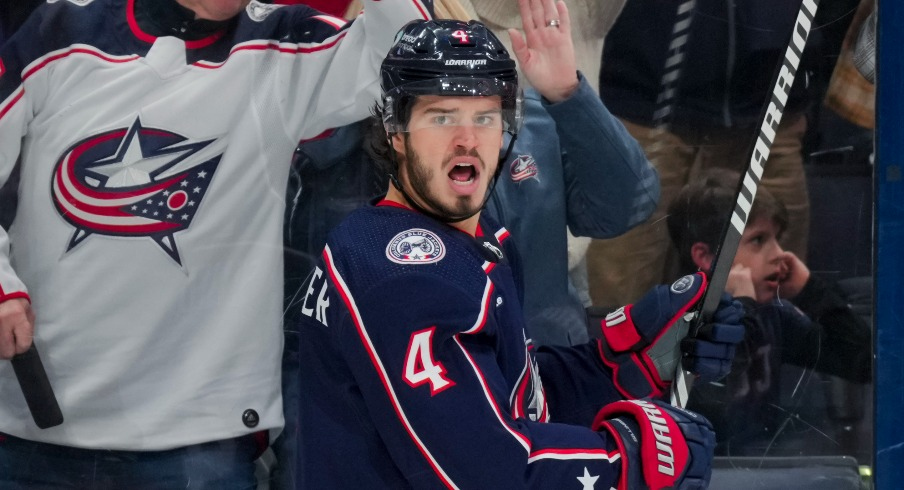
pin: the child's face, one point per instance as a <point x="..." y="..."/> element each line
<point x="760" y="252"/>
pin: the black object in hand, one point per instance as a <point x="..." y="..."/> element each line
<point x="42" y="403"/>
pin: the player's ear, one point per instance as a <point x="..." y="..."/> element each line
<point x="398" y="143"/>
<point x="701" y="256"/>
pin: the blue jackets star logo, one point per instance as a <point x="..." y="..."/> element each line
<point x="524" y="167"/>
<point x="133" y="182"/>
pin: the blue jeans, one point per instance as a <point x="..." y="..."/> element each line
<point x="220" y="465"/>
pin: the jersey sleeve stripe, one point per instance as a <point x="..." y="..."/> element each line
<point x="43" y="61"/>
<point x="16" y="97"/>
<point x="521" y="438"/>
<point x="569" y="454"/>
<point x="349" y="301"/>
<point x="287" y="48"/>
<point x="519" y="389"/>
<point x="526" y="378"/>
<point x="16" y="294"/>
<point x="423" y="10"/>
<point x="333" y="21"/>
<point x="484" y="308"/>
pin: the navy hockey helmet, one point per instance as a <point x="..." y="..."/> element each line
<point x="450" y="58"/>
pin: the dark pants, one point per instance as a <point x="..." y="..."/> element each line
<point x="227" y="464"/>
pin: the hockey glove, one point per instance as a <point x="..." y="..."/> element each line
<point x="642" y="343"/>
<point x="661" y="446"/>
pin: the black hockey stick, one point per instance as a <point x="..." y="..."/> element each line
<point x="39" y="397"/>
<point x="731" y="237"/>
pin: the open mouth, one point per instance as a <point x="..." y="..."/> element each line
<point x="772" y="280"/>
<point x="463" y="173"/>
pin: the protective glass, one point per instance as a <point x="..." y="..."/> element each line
<point x="508" y="118"/>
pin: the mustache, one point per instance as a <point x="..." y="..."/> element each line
<point x="461" y="152"/>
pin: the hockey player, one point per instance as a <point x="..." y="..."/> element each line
<point x="416" y="370"/>
<point x="155" y="138"/>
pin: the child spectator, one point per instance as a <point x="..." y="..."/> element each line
<point x="792" y="316"/>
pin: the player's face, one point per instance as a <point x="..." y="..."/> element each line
<point x="215" y="9"/>
<point x="451" y="152"/>
<point x="759" y="250"/>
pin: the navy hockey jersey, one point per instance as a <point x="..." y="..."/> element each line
<point x="416" y="370"/>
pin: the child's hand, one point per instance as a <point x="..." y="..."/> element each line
<point x="794" y="275"/>
<point x="740" y="282"/>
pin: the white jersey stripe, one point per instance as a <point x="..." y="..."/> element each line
<point x="568" y="454"/>
<point x="342" y="288"/>
<point x="333" y="21"/>
<point x="484" y="307"/>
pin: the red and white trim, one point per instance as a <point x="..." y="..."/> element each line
<point x="42" y="62"/>
<point x="75" y="49"/>
<point x="484" y="308"/>
<point x="333" y="21"/>
<point x="286" y="48"/>
<point x="12" y="100"/>
<point x="572" y="454"/>
<point x="349" y="301"/>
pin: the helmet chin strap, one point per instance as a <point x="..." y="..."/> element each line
<point x="447" y="219"/>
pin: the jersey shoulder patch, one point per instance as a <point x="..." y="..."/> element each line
<point x="416" y="246"/>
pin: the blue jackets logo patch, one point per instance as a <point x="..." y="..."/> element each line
<point x="683" y="284"/>
<point x="524" y="167"/>
<point x="132" y="182"/>
<point x="415" y="246"/>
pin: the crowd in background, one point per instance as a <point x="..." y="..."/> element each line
<point x="589" y="193"/>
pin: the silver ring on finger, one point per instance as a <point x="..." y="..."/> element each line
<point x="553" y="23"/>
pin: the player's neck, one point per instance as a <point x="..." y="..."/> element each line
<point x="468" y="226"/>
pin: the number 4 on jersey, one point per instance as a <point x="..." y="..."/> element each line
<point x="420" y="367"/>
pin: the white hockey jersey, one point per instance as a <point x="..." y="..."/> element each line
<point x="149" y="227"/>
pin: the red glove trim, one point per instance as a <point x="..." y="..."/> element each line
<point x="662" y="444"/>
<point x="619" y="330"/>
<point x="623" y="477"/>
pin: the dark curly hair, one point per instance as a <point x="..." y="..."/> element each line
<point x="376" y="141"/>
